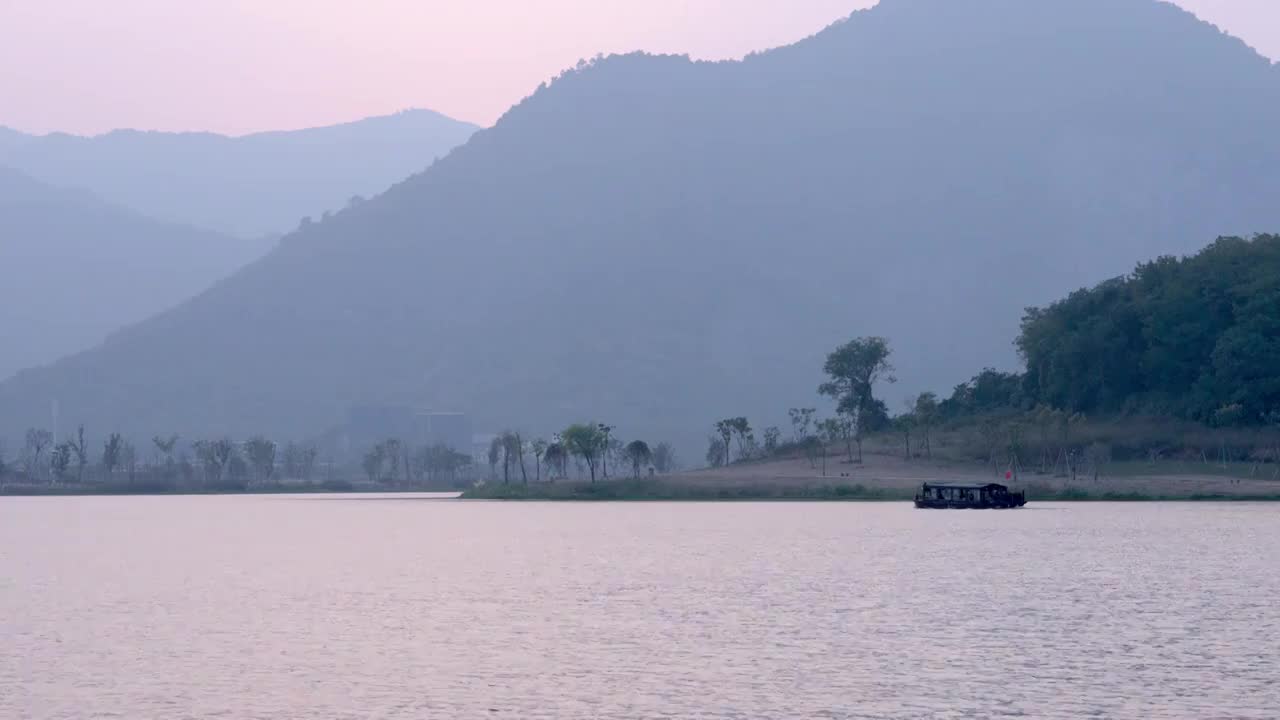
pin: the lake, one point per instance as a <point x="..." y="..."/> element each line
<point x="370" y="607"/>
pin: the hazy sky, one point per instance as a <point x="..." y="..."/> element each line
<point x="236" y="66"/>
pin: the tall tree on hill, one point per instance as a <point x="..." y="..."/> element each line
<point x="725" y="428"/>
<point x="854" y="368"/>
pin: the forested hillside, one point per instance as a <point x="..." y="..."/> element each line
<point x="1196" y="337"/>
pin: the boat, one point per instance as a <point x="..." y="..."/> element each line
<point x="968" y="496"/>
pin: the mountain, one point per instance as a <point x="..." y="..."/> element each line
<point x="659" y="243"/>
<point x="73" y="268"/>
<point x="12" y="139"/>
<point x="253" y="185"/>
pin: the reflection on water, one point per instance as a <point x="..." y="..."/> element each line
<point x="280" y="607"/>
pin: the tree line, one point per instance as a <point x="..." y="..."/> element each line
<point x="586" y="447"/>
<point x="1196" y="338"/>
<point x="201" y="465"/>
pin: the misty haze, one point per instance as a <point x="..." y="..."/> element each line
<point x="276" y="405"/>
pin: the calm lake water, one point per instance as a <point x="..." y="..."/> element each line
<point x="360" y="607"/>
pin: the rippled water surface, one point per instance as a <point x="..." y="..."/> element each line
<point x="308" y="607"/>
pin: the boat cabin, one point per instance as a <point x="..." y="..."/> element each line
<point x="968" y="495"/>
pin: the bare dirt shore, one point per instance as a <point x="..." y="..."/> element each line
<point x="880" y="470"/>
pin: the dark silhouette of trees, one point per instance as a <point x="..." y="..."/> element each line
<point x="638" y="453"/>
<point x="587" y="442"/>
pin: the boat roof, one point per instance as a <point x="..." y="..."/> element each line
<point x="964" y="486"/>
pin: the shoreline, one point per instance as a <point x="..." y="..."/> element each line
<point x="662" y="491"/>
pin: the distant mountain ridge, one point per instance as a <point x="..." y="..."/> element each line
<point x="74" y="268"/>
<point x="659" y="243"/>
<point x="250" y="185"/>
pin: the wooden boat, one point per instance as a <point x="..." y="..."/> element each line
<point x="971" y="496"/>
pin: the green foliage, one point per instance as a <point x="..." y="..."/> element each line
<point x="853" y="369"/>
<point x="1197" y="337"/>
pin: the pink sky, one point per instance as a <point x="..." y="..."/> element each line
<point x="236" y="66"/>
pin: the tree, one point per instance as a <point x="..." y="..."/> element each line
<point x="509" y="446"/>
<point x="904" y="424"/>
<point x="801" y="423"/>
<point x="37" y="441"/>
<point x="164" y="448"/>
<point x="60" y="460"/>
<point x="587" y="442"/>
<point x="746" y="440"/>
<point x="637" y="451"/>
<point x="606" y="431"/>
<point x="214" y="456"/>
<point x="664" y="458"/>
<point x="373" y="462"/>
<point x="717" y="450"/>
<point x="81" y="452"/>
<point x="729" y="427"/>
<point x="539" y="448"/>
<point x="519" y="448"/>
<point x="495" y="452"/>
<point x="261" y="454"/>
<point x="829" y="431"/>
<point x="853" y="369"/>
<point x="926" y="414"/>
<point x="391" y="451"/>
<point x="129" y="459"/>
<point x="111" y="450"/>
<point x="556" y="457"/>
<point x="771" y="436"/>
